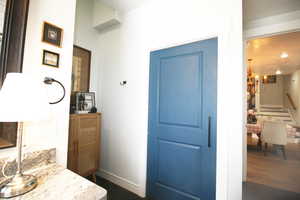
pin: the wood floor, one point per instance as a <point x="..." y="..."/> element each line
<point x="272" y="170"/>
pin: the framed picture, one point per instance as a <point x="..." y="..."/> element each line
<point x="50" y="58"/>
<point x="81" y="69"/>
<point x="52" y="34"/>
<point x="270" y="79"/>
<point x="85" y="101"/>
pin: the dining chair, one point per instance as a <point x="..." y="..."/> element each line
<point x="275" y="132"/>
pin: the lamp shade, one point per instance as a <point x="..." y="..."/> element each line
<point x="23" y="99"/>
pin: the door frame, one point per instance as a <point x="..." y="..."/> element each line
<point x="250" y="34"/>
<point x="229" y="136"/>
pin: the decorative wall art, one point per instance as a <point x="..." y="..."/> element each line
<point x="269" y="79"/>
<point x="52" y="34"/>
<point x="50" y="58"/>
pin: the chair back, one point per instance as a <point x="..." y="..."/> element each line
<point x="260" y="120"/>
<point x="274" y="132"/>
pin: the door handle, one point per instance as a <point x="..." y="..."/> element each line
<point x="209" y="131"/>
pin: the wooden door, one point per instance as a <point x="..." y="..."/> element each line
<point x="182" y="122"/>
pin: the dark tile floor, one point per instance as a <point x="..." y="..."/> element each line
<point x="251" y="191"/>
<point x="115" y="192"/>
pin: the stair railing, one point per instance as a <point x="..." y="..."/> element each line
<point x="292" y="114"/>
<point x="291" y="101"/>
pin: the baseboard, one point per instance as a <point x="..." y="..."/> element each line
<point x="122" y="182"/>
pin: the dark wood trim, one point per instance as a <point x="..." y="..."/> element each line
<point x="82" y="48"/>
<point x="13" y="41"/>
<point x="90" y="61"/>
<point x="14" y="32"/>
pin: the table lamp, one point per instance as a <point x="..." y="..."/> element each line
<point x="22" y="99"/>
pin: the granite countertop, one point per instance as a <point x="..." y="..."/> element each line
<point x="54" y="181"/>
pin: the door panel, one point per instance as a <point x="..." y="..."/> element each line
<point x="188" y="155"/>
<point x="88" y="145"/>
<point x="182" y="84"/>
<point x="181" y="142"/>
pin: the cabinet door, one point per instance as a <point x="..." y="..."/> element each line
<point x="73" y="144"/>
<point x="88" y="146"/>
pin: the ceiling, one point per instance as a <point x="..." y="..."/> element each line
<point x="253" y="9"/>
<point x="124" y="5"/>
<point x="265" y="53"/>
<point x="256" y="9"/>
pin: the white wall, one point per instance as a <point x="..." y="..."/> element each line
<point x="125" y="56"/>
<point x="272" y="93"/>
<point x="53" y="132"/>
<point x="2" y="13"/>
<point x="292" y="86"/>
<point x="86" y="36"/>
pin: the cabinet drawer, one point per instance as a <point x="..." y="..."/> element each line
<point x="88" y="122"/>
<point x="87" y="137"/>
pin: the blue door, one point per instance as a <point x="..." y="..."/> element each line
<point x="182" y="122"/>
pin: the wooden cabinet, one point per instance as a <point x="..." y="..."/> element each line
<point x="84" y="143"/>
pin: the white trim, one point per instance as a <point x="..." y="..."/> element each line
<point x="271" y="106"/>
<point x="124" y="183"/>
<point x="286" y="17"/>
<point x="176" y="44"/>
<point x="273" y="25"/>
<point x="245" y="158"/>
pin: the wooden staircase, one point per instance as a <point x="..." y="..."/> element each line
<point x="277" y="112"/>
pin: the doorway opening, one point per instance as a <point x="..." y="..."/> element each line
<point x="271" y="143"/>
<point x="273" y="117"/>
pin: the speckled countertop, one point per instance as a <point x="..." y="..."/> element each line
<point x="57" y="183"/>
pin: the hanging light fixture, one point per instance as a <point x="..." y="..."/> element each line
<point x="251" y="85"/>
<point x="249" y="71"/>
<point x="278" y="72"/>
<point x="284" y="55"/>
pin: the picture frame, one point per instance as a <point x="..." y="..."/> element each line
<point x="50" y="58"/>
<point x="52" y="34"/>
<point x="85" y="101"/>
<point x="81" y="69"/>
<point x="270" y="79"/>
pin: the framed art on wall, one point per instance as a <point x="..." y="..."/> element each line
<point x="50" y="58"/>
<point x="52" y="34"/>
<point x="269" y="79"/>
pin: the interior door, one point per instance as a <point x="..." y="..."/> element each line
<point x="182" y="122"/>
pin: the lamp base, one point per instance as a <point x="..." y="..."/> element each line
<point x="18" y="185"/>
